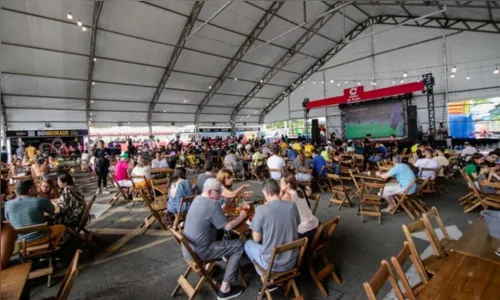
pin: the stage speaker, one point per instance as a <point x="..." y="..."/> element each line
<point x="315" y="131"/>
<point x="411" y="112"/>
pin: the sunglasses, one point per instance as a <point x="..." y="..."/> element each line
<point x="218" y="191"/>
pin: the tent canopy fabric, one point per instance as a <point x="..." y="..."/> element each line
<point x="54" y="72"/>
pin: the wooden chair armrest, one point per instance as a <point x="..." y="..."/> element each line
<point x="33" y="228"/>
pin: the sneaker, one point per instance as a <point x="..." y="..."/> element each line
<point x="98" y="192"/>
<point x="385" y="210"/>
<point x="105" y="191"/>
<point x="233" y="293"/>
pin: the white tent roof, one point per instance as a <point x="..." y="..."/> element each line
<point x="52" y="71"/>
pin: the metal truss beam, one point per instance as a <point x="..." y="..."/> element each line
<point x="251" y="38"/>
<point x="95" y="19"/>
<point x="299" y="44"/>
<point x="190" y="22"/>
<point x="409" y="4"/>
<point x="431" y="22"/>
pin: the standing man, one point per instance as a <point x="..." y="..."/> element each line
<point x="204" y="219"/>
<point x="101" y="162"/>
<point x="273" y="225"/>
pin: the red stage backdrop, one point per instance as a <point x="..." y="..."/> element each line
<point x="358" y="94"/>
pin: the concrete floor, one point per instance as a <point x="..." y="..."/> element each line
<point x="147" y="267"/>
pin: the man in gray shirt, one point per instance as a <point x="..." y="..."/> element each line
<point x="273" y="225"/>
<point x="204" y="176"/>
<point x="204" y="219"/>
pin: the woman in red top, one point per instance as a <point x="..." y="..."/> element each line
<point x="121" y="174"/>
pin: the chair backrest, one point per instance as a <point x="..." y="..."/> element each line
<point x="472" y="186"/>
<point x="315" y="198"/>
<point x="397" y="263"/>
<point x="86" y="215"/>
<point x="69" y="278"/>
<point x="384" y="273"/>
<point x="324" y="234"/>
<point x="421" y="187"/>
<point x="25" y="250"/>
<point x="299" y="245"/>
<point x="407" y="191"/>
<point x="434" y="170"/>
<point x="352" y="172"/>
<point x="333" y="177"/>
<point x="16" y="179"/>
<point x="182" y="240"/>
<point x="428" y="218"/>
<point x="185" y="200"/>
<point x="372" y="191"/>
<point x="416" y="227"/>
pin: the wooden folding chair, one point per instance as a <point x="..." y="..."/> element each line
<point x="430" y="187"/>
<point x="160" y="188"/>
<point x="473" y="198"/>
<point x="441" y="246"/>
<point x="410" y="292"/>
<point x="305" y="171"/>
<point x="432" y="263"/>
<point x="157" y="211"/>
<point x="137" y="190"/>
<point x="321" y="181"/>
<point x="417" y="198"/>
<point x="358" y="160"/>
<point x="340" y="192"/>
<point x="69" y="279"/>
<point x="44" y="250"/>
<point x="370" y="200"/>
<point x="204" y="269"/>
<point x="357" y="183"/>
<point x="256" y="170"/>
<point x="317" y="250"/>
<point x="180" y="216"/>
<point x="373" y="287"/>
<point x="489" y="200"/>
<point x="87" y="235"/>
<point x="315" y="198"/>
<point x="16" y="179"/>
<point x="402" y="201"/>
<point x="272" y="278"/>
<point x="269" y="170"/>
<point x="120" y="192"/>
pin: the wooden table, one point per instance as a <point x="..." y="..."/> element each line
<point x="369" y="175"/>
<point x="13" y="281"/>
<point x="476" y="242"/>
<point x="242" y="228"/>
<point x="464" y="278"/>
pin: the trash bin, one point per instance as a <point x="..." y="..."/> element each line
<point x="492" y="219"/>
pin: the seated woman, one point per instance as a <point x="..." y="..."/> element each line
<point x="48" y="188"/>
<point x="141" y="169"/>
<point x="290" y="192"/>
<point x="179" y="187"/>
<point x="225" y="177"/>
<point x="71" y="202"/>
<point x="474" y="165"/>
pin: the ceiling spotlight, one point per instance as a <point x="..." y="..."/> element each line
<point x="301" y="87"/>
<point x="79" y="23"/>
<point x="359" y="83"/>
<point x="345" y="82"/>
<point x="261" y="81"/>
<point x="142" y="118"/>
<point x="394" y="82"/>
<point x="93" y="83"/>
<point x="402" y="81"/>
<point x="371" y="82"/>
<point x="185" y="101"/>
<point x="338" y="84"/>
<point x="256" y="111"/>
<point x="210" y="87"/>
<point x="405" y="74"/>
<point x="164" y="111"/>
<point x="314" y="82"/>
<point x="331" y="81"/>
<point x="235" y="78"/>
<point x="468" y="77"/>
<point x="283" y="92"/>
<point x="454" y="69"/>
<point x="90" y="113"/>
<point x="374" y="83"/>
<point x="95" y="59"/>
<point x="69" y="16"/>
<point x="452" y="76"/>
<point x="84" y="28"/>
<point x="322" y="81"/>
<point x="128" y="122"/>
<point x="91" y="101"/>
<point x="496" y="71"/>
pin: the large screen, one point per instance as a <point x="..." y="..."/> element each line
<point x="378" y="119"/>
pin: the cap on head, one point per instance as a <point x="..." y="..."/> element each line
<point x="125" y="155"/>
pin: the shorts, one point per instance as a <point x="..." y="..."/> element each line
<point x="125" y="183"/>
<point x="391" y="189"/>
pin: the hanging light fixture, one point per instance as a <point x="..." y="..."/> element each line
<point x="359" y="83"/>
<point x="393" y="82"/>
<point x="69" y="16"/>
<point x="405" y="74"/>
<point x="375" y="83"/>
<point x="338" y="84"/>
<point x="331" y="81"/>
<point x="95" y="59"/>
<point x="468" y="77"/>
<point x="314" y="82"/>
<point x="496" y="71"/>
<point x="261" y="81"/>
<point x="93" y="83"/>
<point x="322" y="81"/>
<point x="402" y="81"/>
<point x="84" y="28"/>
<point x="452" y="76"/>
<point x="79" y="23"/>
<point x="345" y="82"/>
<point x="454" y="69"/>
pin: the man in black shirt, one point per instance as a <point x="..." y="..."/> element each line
<point x="101" y="155"/>
<point x="393" y="146"/>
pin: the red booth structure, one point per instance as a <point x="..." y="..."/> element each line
<point x="358" y="94"/>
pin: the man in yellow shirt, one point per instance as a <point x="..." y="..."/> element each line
<point x="308" y="149"/>
<point x="297" y="146"/>
<point x="30" y="152"/>
<point x="283" y="146"/>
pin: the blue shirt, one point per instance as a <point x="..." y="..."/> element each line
<point x="404" y="176"/>
<point x="26" y="211"/>
<point x="291" y="154"/>
<point x="382" y="150"/>
<point x="319" y="162"/>
<point x="174" y="201"/>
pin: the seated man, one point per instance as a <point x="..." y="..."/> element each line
<point x="442" y="160"/>
<point x="468" y="151"/>
<point x="318" y="162"/>
<point x="273" y="225"/>
<point x="428" y="163"/>
<point x="204" y="219"/>
<point x="232" y="163"/>
<point x="159" y="162"/>
<point x="404" y="177"/>
<point x="276" y="162"/>
<point x="28" y="210"/>
<point x="204" y="176"/>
